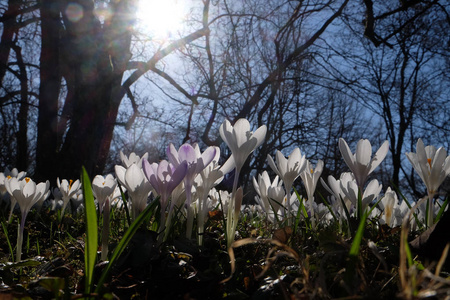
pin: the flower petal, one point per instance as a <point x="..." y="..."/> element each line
<point x="346" y="153"/>
<point x="363" y="152"/>
<point x="379" y="156"/>
<point x="206" y="158"/>
<point x="241" y="129"/>
<point x="187" y="153"/>
<point x="177" y="177"/>
<point x="172" y="154"/>
<point x="272" y="164"/>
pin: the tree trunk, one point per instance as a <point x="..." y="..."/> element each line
<point x="97" y="57"/>
<point x="49" y="89"/>
<point x="22" y="116"/>
<point x="9" y="29"/>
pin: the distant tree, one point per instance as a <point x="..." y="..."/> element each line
<point x="94" y="58"/>
<point x="400" y="77"/>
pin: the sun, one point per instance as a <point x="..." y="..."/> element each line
<point x="160" y="19"/>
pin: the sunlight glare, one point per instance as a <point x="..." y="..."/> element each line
<point x="160" y="18"/>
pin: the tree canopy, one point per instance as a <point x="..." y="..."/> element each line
<point x="83" y="79"/>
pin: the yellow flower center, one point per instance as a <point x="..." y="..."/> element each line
<point x="429" y="161"/>
<point x="312" y="171"/>
<point x="70" y="183"/>
<point x="27" y="179"/>
<point x="9" y="177"/>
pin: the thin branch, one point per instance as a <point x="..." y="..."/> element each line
<point x="157" y="57"/>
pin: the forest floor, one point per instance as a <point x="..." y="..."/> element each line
<point x="283" y="263"/>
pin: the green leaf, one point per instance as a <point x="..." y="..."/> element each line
<point x="297" y="219"/>
<point x="350" y="272"/>
<point x="53" y="284"/>
<point x="442" y="209"/>
<point x="304" y="211"/>
<point x="148" y="211"/>
<point x="408" y="253"/>
<point x="359" y="211"/>
<point x="125" y="204"/>
<point x="23" y="263"/>
<point x="354" y="250"/>
<point x="91" y="242"/>
<point x="5" y="230"/>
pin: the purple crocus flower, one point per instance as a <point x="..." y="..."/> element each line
<point x="164" y="177"/>
<point x="196" y="162"/>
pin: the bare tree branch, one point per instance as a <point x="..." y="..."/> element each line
<point x="157" y="57"/>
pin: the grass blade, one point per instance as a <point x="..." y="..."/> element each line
<point x="442" y="209"/>
<point x="347" y="215"/>
<point x="91" y="243"/>
<point x="354" y="250"/>
<point x="330" y="209"/>
<point x="125" y="203"/>
<point x="5" y="230"/>
<point x="148" y="211"/>
<point x="350" y="272"/>
<point x="304" y="211"/>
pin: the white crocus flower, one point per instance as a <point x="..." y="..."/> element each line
<point x="310" y="178"/>
<point x="116" y="198"/>
<point x="133" y="158"/>
<point x="275" y="195"/>
<point x="371" y="193"/>
<point x="208" y="178"/>
<point x="2" y="184"/>
<point x="338" y="198"/>
<point x="68" y="190"/>
<point x="220" y="196"/>
<point x="388" y="205"/>
<point x="322" y="213"/>
<point x="103" y="189"/>
<point x="15" y="173"/>
<point x="361" y="163"/>
<point x="262" y="187"/>
<point x="5" y="176"/>
<point x="334" y="188"/>
<point x="288" y="169"/>
<point x="241" y="142"/>
<point x="26" y="193"/>
<point x="8" y="174"/>
<point x="137" y="185"/>
<point x="433" y="166"/>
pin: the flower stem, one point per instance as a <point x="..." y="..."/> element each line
<point x="162" y="221"/>
<point x="287" y="207"/>
<point x="168" y="223"/>
<point x="20" y="237"/>
<point x="201" y="218"/>
<point x="105" y="231"/>
<point x="13" y="204"/>
<point x="430" y="215"/>
<point x="190" y="211"/>
<point x="231" y="222"/>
